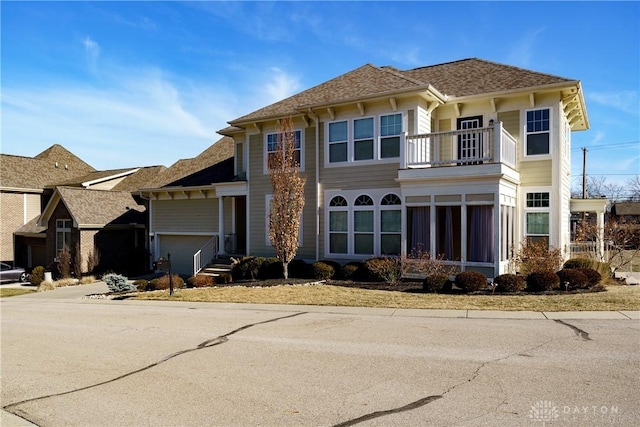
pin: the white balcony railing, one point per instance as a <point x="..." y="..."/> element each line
<point x="491" y="144"/>
<point x="206" y="254"/>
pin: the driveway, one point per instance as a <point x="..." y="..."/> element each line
<point x="78" y="362"/>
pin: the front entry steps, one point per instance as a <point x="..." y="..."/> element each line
<point x="222" y="265"/>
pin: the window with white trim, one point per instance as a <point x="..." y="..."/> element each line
<point x="538" y="132"/>
<point x="272" y="145"/>
<point x="338" y="141"/>
<point x="390" y="130"/>
<point x="390" y="225"/>
<point x="363" y="139"/>
<point x="537" y="227"/>
<point x="338" y="225"/>
<point x="63" y="234"/>
<point x="363" y="225"/>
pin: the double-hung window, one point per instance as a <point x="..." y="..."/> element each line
<point x="538" y="132"/>
<point x="390" y="130"/>
<point x="363" y="139"/>
<point x="63" y="234"/>
<point x="338" y="226"/>
<point x="338" y="141"/>
<point x="363" y="225"/>
<point x="275" y="141"/>
<point x="390" y="225"/>
<point x="537" y="217"/>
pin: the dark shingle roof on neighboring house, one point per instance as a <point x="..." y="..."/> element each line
<point x="466" y="77"/>
<point x="55" y="164"/>
<point x="220" y="151"/>
<point x="101" y="207"/>
<point x="627" y="208"/>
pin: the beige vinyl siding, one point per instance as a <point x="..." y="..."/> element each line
<point x="32" y="206"/>
<point x="424" y="121"/>
<point x="198" y="215"/>
<point x="240" y="159"/>
<point x="536" y="173"/>
<point x="445" y="141"/>
<point x="511" y="122"/>
<point x="260" y="186"/>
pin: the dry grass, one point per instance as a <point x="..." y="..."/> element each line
<point x="615" y="298"/>
<point x="12" y="292"/>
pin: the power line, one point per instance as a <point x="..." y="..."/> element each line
<point x="610" y="146"/>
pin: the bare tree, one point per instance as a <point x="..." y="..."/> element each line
<point x="287" y="200"/>
<point x="633" y="188"/>
<point x="621" y="241"/>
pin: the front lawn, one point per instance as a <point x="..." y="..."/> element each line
<point x="12" y="292"/>
<point x="613" y="299"/>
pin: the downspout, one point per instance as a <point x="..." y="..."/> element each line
<point x="317" y="121"/>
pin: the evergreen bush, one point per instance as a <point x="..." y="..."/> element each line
<point x="509" y="283"/>
<point x="436" y="283"/>
<point x="572" y="278"/>
<point x="471" y="281"/>
<point x="37" y="275"/>
<point x="592" y="275"/>
<point x="542" y="281"/>
<point x="322" y="270"/>
<point x="118" y="283"/>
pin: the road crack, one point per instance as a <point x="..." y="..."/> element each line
<point x="579" y="332"/>
<point x="206" y="344"/>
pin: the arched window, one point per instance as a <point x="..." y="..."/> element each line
<point x="338" y="226"/>
<point x="390" y="225"/>
<point x="363" y="226"/>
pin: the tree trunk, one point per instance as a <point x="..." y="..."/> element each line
<point x="285" y="269"/>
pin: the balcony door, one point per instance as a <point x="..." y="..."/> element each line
<point x="469" y="142"/>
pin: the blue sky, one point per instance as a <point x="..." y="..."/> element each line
<point x="125" y="84"/>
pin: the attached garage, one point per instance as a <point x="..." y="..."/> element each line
<point x="182" y="248"/>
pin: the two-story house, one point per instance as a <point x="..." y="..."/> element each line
<point x="463" y="159"/>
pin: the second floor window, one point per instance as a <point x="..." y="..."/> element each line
<point x="538" y="132"/>
<point x="364" y="139"/>
<point x="63" y="234"/>
<point x="273" y="144"/>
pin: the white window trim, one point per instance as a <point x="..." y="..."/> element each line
<point x="552" y="137"/>
<point x="527" y="210"/>
<point x="265" y="151"/>
<point x="377" y="159"/>
<point x="351" y="196"/>
<point x="267" y="209"/>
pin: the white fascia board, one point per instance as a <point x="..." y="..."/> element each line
<point x="109" y="178"/>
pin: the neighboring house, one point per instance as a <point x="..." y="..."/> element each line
<point x="195" y="204"/>
<point x="463" y="159"/>
<point x="626" y="211"/>
<point x="25" y="187"/>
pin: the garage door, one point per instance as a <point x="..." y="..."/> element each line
<point x="182" y="249"/>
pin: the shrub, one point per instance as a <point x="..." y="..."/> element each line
<point x="93" y="260"/>
<point x="200" y="281"/>
<point x="64" y="263"/>
<point x="471" y="281"/>
<point x="578" y="263"/>
<point x="162" y="283"/>
<point x="77" y="262"/>
<point x="542" y="281"/>
<point x="572" y="278"/>
<point x="384" y="269"/>
<point x="322" y="270"/>
<point x="45" y="286"/>
<point x="421" y="263"/>
<point x="86" y="280"/>
<point x="592" y="275"/>
<point x="37" y="275"/>
<point x="436" y="283"/>
<point x="270" y="268"/>
<point x="354" y="271"/>
<point x="118" y="283"/>
<point x="337" y="268"/>
<point x="509" y="283"/>
<point x="246" y="268"/>
<point x="300" y="269"/>
<point x="141" y="284"/>
<point x="536" y="257"/>
<point x="65" y="282"/>
<point x="224" y="278"/>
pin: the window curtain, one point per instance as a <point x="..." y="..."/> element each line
<point x="480" y="233"/>
<point x="419" y="229"/>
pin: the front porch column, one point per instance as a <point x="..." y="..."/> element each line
<point x="221" y="250"/>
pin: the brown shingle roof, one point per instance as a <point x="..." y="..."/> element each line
<point x="55" y="164"/>
<point x="142" y="178"/>
<point x="459" y="78"/>
<point x="77" y="181"/>
<point x="101" y="207"/>
<point x="627" y="208"/>
<point x="216" y="153"/>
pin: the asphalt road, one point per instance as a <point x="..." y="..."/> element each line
<point x="68" y="361"/>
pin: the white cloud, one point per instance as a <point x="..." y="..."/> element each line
<point x="92" y="50"/>
<point x="625" y="100"/>
<point x="522" y="50"/>
<point x="280" y="85"/>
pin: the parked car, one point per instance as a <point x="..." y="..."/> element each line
<point x="11" y="274"/>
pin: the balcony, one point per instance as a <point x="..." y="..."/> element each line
<point x="487" y="145"/>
